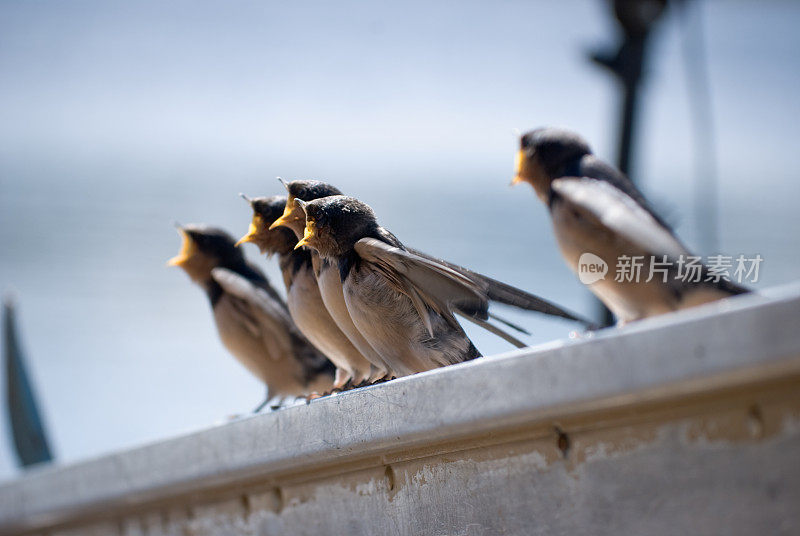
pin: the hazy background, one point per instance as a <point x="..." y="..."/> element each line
<point x="117" y="118"/>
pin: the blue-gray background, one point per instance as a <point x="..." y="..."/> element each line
<point x="117" y="118"/>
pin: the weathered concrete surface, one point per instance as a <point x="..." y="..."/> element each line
<point x="689" y="423"/>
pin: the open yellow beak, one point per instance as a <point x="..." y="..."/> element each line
<point x="188" y="249"/>
<point x="289" y="215"/>
<point x="252" y="231"/>
<point x="308" y="236"/>
<point x="519" y="168"/>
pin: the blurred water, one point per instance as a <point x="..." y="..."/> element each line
<point x="119" y="119"/>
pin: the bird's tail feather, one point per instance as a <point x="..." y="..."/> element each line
<point x="500" y="292"/>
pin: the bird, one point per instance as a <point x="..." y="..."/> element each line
<point x="597" y="212"/>
<point x="328" y="280"/>
<point x="305" y="302"/>
<point x="403" y="304"/>
<point x="252" y="320"/>
<point x="496" y="291"/>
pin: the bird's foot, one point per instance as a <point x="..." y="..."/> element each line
<point x="313" y="396"/>
<point x="382" y="379"/>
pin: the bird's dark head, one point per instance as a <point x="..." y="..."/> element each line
<point x="544" y="154"/>
<point x="334" y="224"/>
<point x="304" y="190"/>
<point x="205" y="248"/>
<point x="266" y="210"/>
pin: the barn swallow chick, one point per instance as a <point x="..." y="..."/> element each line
<point x="305" y="302"/>
<point x="597" y="210"/>
<point x="252" y="320"/>
<point x="496" y="291"/>
<point x="403" y="304"/>
<point x="328" y="279"/>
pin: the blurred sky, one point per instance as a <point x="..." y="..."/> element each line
<point x="117" y="118"/>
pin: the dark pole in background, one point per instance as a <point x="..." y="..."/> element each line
<point x="626" y="62"/>
<point x="27" y="428"/>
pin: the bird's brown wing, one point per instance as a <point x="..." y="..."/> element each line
<point x="619" y="213"/>
<point x="261" y="313"/>
<point x="429" y="285"/>
<point x="616" y="211"/>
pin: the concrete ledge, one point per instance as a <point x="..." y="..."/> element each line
<point x="411" y="453"/>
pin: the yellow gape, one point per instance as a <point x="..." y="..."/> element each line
<point x="308" y="236"/>
<point x="519" y="168"/>
<point x="188" y="249"/>
<point x="256" y="224"/>
<point x="291" y="214"/>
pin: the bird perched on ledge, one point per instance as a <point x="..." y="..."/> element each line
<point x="305" y="301"/>
<point x="252" y="320"/>
<point x="328" y="280"/>
<point x="596" y="209"/>
<point x="403" y="304"/>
